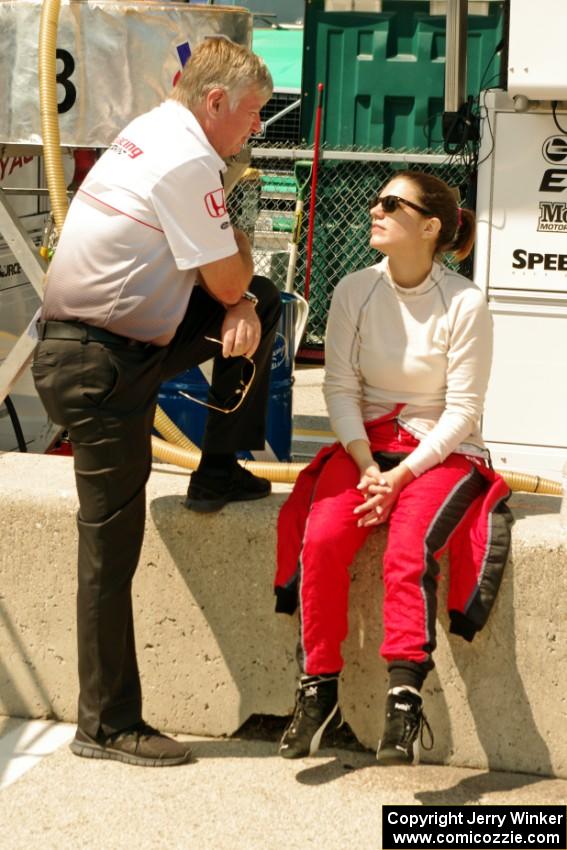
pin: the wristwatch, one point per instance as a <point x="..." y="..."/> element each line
<point x="249" y="296"/>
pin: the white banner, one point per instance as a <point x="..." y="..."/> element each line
<point x="115" y="60"/>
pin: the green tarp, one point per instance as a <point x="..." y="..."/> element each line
<point x="282" y="51"/>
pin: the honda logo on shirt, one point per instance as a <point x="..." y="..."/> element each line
<point x="215" y="203"/>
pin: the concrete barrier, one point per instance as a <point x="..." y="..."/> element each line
<point x="212" y="652"/>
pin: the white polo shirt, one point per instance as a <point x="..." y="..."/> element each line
<point x="149" y="213"/>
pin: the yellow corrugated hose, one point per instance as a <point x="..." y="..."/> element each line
<point x="178" y="449"/>
<point x="48" y="111"/>
<point x="525" y="483"/>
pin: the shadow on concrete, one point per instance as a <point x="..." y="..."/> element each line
<point x="269" y="727"/>
<point x="222" y="561"/>
<point x="230" y="748"/>
<point x="326" y="766"/>
<point x="12" y="700"/>
<point x="503" y="718"/>
<point x="9" y="740"/>
<point x="329" y="771"/>
<point x="23" y="743"/>
<point x="472" y="789"/>
<point x="526" y="504"/>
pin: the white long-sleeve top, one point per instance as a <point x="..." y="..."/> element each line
<point x="429" y="347"/>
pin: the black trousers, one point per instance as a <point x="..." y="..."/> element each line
<point x="105" y="396"/>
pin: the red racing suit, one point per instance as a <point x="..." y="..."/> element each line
<point x="458" y="505"/>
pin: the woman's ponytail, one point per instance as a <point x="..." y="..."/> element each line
<point x="463" y="241"/>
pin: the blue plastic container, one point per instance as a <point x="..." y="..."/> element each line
<point x="191" y="417"/>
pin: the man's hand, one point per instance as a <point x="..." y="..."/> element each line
<point x="241" y="330"/>
<point x="380" y="490"/>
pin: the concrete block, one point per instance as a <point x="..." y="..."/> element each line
<point x="212" y="652"/>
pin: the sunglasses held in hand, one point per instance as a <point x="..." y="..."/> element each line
<point x="246" y="377"/>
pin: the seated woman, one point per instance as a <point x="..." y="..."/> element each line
<point x="408" y="355"/>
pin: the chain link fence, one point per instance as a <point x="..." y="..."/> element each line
<point x="263" y="204"/>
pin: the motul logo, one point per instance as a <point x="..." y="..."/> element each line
<point x="552" y="217"/>
<point x="215" y="203"/>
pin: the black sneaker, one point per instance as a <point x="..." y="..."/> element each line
<point x="405" y="721"/>
<point x="316" y="709"/>
<point x="211" y="490"/>
<point x="140" y="744"/>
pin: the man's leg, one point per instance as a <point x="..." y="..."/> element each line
<point x="219" y="479"/>
<point x="105" y="397"/>
<point x="112" y="466"/>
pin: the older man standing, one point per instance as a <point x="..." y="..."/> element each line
<point x="148" y="275"/>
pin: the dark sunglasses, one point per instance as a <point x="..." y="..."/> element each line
<point x="390" y="203"/>
<point x="246" y="377"/>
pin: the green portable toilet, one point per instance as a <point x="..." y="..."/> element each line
<point x="384" y="72"/>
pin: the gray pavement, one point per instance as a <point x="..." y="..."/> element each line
<point x="311" y="428"/>
<point x="237" y="795"/>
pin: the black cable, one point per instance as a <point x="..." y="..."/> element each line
<point x="465" y="120"/>
<point x="464" y="127"/>
<point x="554" y="104"/>
<point x="467" y="144"/>
<point x="475" y="143"/>
<point x="16" y="424"/>
<point x="498" y="49"/>
<point x="491" y="151"/>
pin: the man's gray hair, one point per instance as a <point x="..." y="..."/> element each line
<point x="218" y="62"/>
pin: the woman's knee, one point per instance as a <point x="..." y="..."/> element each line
<point x="333" y="541"/>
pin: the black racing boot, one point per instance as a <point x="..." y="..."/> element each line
<point x="405" y="721"/>
<point x="316" y="709"/>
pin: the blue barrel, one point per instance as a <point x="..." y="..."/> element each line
<point x="191" y="417"/>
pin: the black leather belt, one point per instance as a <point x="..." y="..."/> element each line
<point x="85" y="333"/>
